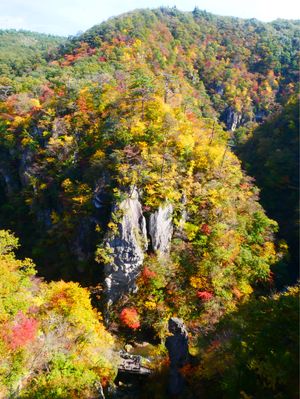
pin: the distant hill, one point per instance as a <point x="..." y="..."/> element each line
<point x="21" y="51"/>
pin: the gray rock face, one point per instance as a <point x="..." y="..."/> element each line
<point x="127" y="247"/>
<point x="177" y="345"/>
<point x="233" y="119"/>
<point x="25" y="169"/>
<point x="179" y="230"/>
<point x="101" y="198"/>
<point x="161" y="229"/>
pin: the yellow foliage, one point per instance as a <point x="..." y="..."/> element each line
<point x="137" y="43"/>
<point x="67" y="185"/>
<point x="80" y="199"/>
<point x="150" y="305"/>
<point x="98" y="156"/>
<point x="138" y="127"/>
<point x="245" y="288"/>
<point x="68" y="139"/>
<point x="198" y="282"/>
<point x="98" y="228"/>
<point x="27" y="141"/>
<point x="191" y="230"/>
<point x="19" y="120"/>
<point x="268" y="252"/>
<point x="34" y="102"/>
<point x="185" y="141"/>
<point x="54" y="217"/>
<point x="113" y="226"/>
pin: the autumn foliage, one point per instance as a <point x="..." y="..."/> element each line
<point x="49" y="332"/>
<point x="130" y="318"/>
<point x="22" y="332"/>
<point x="204" y="295"/>
<point x="148" y="274"/>
<point x="157" y="100"/>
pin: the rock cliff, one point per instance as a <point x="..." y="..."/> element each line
<point x="126" y="246"/>
<point x="177" y="345"/>
<point x="161" y="229"/>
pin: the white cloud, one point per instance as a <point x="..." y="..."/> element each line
<point x="8" y="22"/>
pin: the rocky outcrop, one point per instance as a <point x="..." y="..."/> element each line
<point x="25" y="168"/>
<point x="177" y="346"/>
<point x="126" y="247"/>
<point x="232" y="119"/>
<point x="179" y="231"/>
<point x="101" y="197"/>
<point x="161" y="229"/>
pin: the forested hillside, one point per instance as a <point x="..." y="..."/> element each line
<point x="21" y="52"/>
<point x="271" y="154"/>
<point x="118" y="170"/>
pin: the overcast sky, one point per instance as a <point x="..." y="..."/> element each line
<point x="68" y="17"/>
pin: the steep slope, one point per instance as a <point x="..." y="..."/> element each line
<point x="52" y="342"/>
<point x="252" y="352"/>
<point x="245" y="66"/>
<point x="271" y="154"/>
<point x="134" y="105"/>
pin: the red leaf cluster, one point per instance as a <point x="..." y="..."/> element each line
<point x="205" y="229"/>
<point x="130" y="318"/>
<point x="204" y="295"/>
<point x="148" y="274"/>
<point x="21" y="333"/>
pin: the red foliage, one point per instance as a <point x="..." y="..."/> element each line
<point x="237" y="293"/>
<point x="61" y="93"/>
<point x="21" y="333"/>
<point x="245" y="186"/>
<point x="187" y="370"/>
<point x="205" y="229"/>
<point x="191" y="116"/>
<point x="130" y="318"/>
<point x="214" y="345"/>
<point x="47" y="93"/>
<point x="204" y="295"/>
<point x="147" y="274"/>
<point x="104" y="382"/>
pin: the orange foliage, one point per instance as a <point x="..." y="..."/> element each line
<point x="147" y="274"/>
<point x="130" y="318"/>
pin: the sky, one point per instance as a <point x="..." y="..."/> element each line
<point x="68" y="17"/>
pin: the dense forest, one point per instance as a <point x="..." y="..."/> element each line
<point x="271" y="154"/>
<point x="150" y="170"/>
